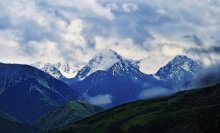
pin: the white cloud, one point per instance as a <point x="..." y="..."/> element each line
<point x="129" y="7"/>
<point x="75" y="30"/>
<point x="45" y="51"/>
<point x="125" y="47"/>
<point x="153" y="62"/>
<point x="154" y="92"/>
<point x="84" y="6"/>
<point x="100" y="100"/>
<point x="10" y="49"/>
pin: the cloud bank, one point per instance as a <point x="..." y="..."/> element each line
<point x="154" y="92"/>
<point x="72" y="30"/>
<point x="100" y="100"/>
<point x="207" y="77"/>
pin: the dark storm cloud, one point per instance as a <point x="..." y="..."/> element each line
<point x="205" y="50"/>
<point x="195" y="39"/>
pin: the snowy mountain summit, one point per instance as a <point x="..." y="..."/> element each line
<point x="103" y="61"/>
<point x="68" y="69"/>
<point x="58" y="70"/>
<point x="179" y="70"/>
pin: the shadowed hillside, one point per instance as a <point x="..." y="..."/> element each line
<point x="195" y="111"/>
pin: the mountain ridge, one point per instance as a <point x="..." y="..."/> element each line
<point x="27" y="93"/>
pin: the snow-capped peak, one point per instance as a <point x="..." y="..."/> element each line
<point x="68" y="70"/>
<point x="102" y="61"/>
<point x="48" y="68"/>
<point x="179" y="69"/>
<point x="58" y="70"/>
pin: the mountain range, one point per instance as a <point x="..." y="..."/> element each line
<point x="53" y="95"/>
<point x="116" y="80"/>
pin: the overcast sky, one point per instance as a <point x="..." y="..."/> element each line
<point x="74" y="30"/>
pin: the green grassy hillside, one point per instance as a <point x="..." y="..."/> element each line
<point x="6" y="116"/>
<point x="64" y="115"/>
<point x="195" y="111"/>
<point x="8" y="126"/>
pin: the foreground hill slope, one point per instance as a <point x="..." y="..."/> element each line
<point x="69" y="113"/>
<point x="9" y="124"/>
<point x="6" y="116"/>
<point x="195" y="111"/>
